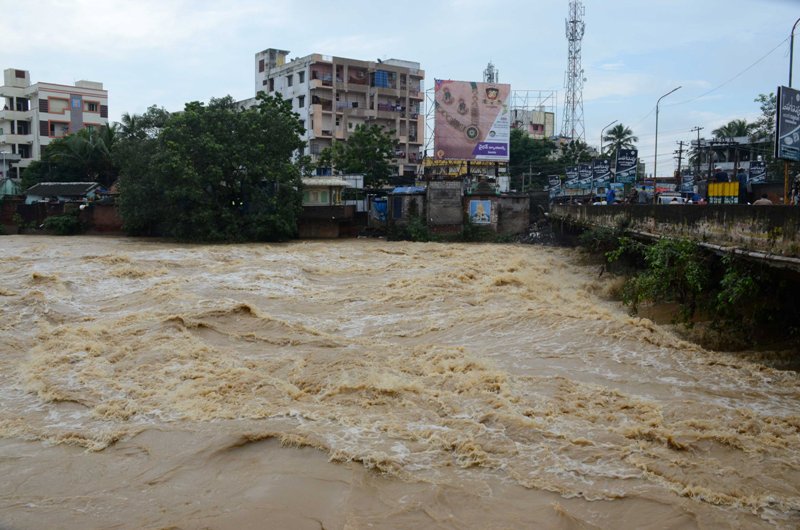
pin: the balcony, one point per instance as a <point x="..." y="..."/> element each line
<point x="416" y="94"/>
<point x="15" y="115"/>
<point x="321" y="83"/>
<point x="16" y="138"/>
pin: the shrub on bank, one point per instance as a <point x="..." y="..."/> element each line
<point x="63" y="225"/>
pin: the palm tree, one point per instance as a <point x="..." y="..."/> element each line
<point x="733" y="129"/>
<point x="619" y="137"/>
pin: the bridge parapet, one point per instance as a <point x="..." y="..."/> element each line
<point x="772" y="230"/>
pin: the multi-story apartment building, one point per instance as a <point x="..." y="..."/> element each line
<point x="33" y="114"/>
<point x="333" y="95"/>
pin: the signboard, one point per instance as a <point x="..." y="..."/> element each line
<point x="687" y="183"/>
<point x="572" y="177"/>
<point x="627" y="162"/>
<point x="473" y="120"/>
<point x="787" y="124"/>
<point x="480" y="212"/>
<point x="554" y="181"/>
<point x="601" y="173"/>
<point x="758" y="172"/>
<point x="585" y="176"/>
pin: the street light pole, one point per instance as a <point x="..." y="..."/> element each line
<point x="791" y="51"/>
<point x="655" y="156"/>
<point x="785" y="162"/>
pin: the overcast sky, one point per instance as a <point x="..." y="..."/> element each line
<point x="168" y="52"/>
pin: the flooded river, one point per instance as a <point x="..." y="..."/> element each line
<point x="368" y="384"/>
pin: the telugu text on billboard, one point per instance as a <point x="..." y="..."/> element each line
<point x="572" y="177"/>
<point x="627" y="162"/>
<point x="585" y="176"/>
<point x="472" y="120"/>
<point x="758" y="172"/>
<point x="787" y="118"/>
<point x="601" y="172"/>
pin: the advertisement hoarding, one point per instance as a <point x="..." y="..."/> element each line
<point x="585" y="176"/>
<point x="787" y="124"/>
<point x="627" y="162"/>
<point x="572" y="177"/>
<point x="758" y="172"/>
<point x="601" y="173"/>
<point x="472" y="120"/>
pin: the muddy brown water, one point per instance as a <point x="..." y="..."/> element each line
<point x="368" y="384"/>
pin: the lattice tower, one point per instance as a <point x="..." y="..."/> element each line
<point x="573" y="127"/>
<point x="491" y="74"/>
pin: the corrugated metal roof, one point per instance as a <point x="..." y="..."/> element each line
<point x="56" y="189"/>
<point x="324" y="181"/>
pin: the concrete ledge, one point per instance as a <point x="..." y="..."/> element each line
<point x="769" y="230"/>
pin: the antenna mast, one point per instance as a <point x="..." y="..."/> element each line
<point x="573" y="79"/>
<point x="491" y="75"/>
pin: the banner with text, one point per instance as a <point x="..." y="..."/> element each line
<point x="585" y="176"/>
<point x="758" y="172"/>
<point x="787" y="124"/>
<point x="472" y="120"/>
<point x="572" y="177"/>
<point x="627" y="162"/>
<point x="601" y="173"/>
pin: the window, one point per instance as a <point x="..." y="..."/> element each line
<point x="301" y="77"/>
<point x="91" y="106"/>
<point x="303" y="124"/>
<point x="19" y="74"/>
<point x="337" y="121"/>
<point x="323" y="196"/>
<point x="289" y="79"/>
<point x="261" y="65"/>
<point x="301" y="101"/>
<point x="350" y="125"/>
<point x="272" y="85"/>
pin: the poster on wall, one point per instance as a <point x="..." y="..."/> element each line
<point x="480" y="212"/>
<point x="627" y="162"/>
<point x="472" y="120"/>
<point x="787" y="124"/>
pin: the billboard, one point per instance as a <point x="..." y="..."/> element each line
<point x="758" y="172"/>
<point x="572" y="177"/>
<point x="627" y="162"/>
<point x="472" y="120"/>
<point x="601" y="173"/>
<point x="585" y="176"/>
<point x="787" y="124"/>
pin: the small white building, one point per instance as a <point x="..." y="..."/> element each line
<point x="31" y="115"/>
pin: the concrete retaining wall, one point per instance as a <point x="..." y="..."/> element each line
<point x="769" y="229"/>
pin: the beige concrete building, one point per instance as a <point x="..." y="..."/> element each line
<point x="333" y="95"/>
<point x="33" y="114"/>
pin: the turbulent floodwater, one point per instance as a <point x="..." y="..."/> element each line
<point x="362" y="383"/>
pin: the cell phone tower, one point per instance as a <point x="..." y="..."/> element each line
<point x="573" y="79"/>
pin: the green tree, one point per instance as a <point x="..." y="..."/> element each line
<point x="213" y="172"/>
<point x="84" y="156"/>
<point x="528" y="155"/>
<point x="574" y="152"/>
<point x="618" y="137"/>
<point x="368" y="151"/>
<point x="762" y="135"/>
<point x="734" y="129"/>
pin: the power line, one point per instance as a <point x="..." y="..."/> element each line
<point x="781" y="43"/>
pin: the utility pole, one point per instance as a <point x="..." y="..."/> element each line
<point x="680" y="156"/>
<point x="697" y="151"/>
